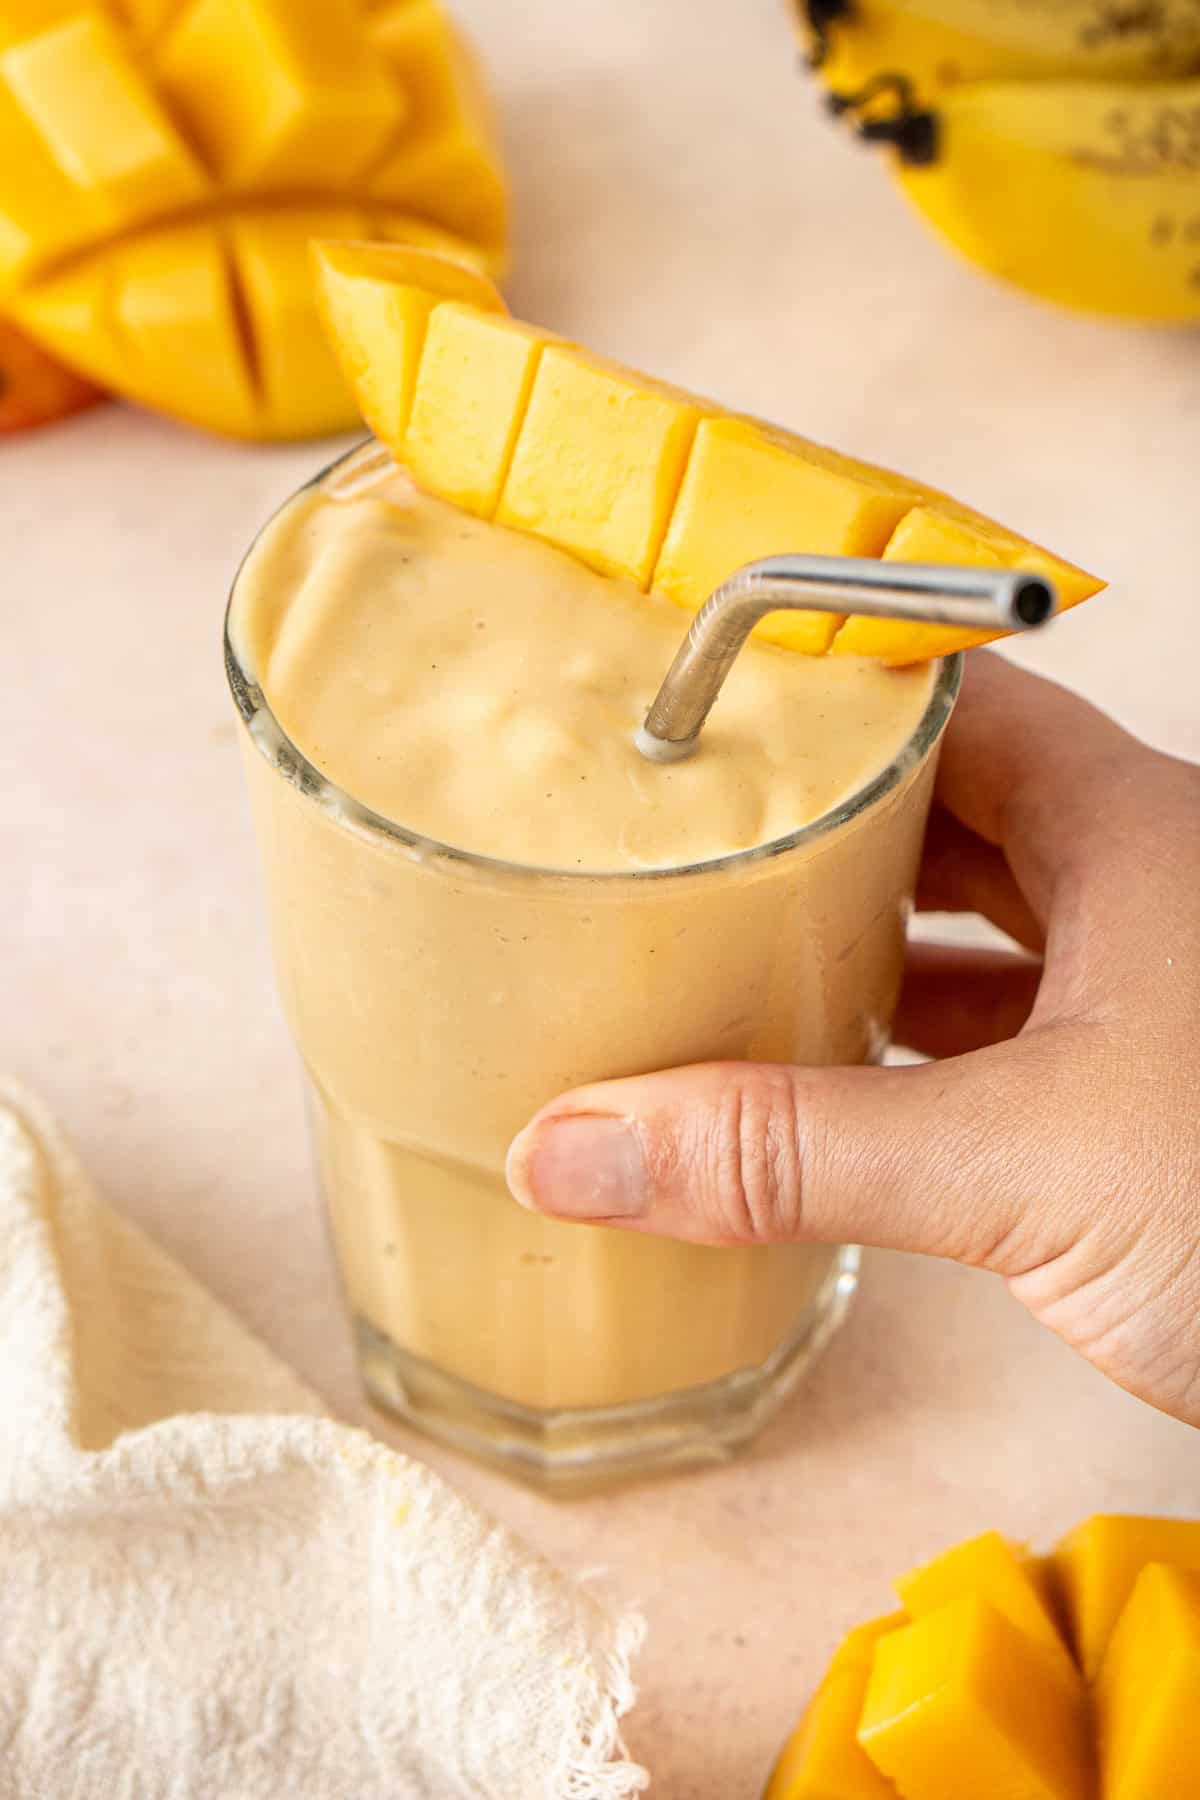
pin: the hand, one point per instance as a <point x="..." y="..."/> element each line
<point x="1056" y="1142"/>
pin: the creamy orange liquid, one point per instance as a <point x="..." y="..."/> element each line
<point x="482" y="689"/>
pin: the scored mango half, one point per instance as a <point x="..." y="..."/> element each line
<point x="165" y="163"/>
<point x="974" y="1689"/>
<point x="634" y="477"/>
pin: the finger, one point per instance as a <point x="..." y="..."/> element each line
<point x="950" y="1158"/>
<point x="1037" y="771"/>
<point x="961" y="873"/>
<point x="956" y="999"/>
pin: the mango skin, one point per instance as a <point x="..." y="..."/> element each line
<point x="162" y="170"/>
<point x="34" y="389"/>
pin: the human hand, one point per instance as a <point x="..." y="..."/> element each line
<point x="1057" y="1140"/>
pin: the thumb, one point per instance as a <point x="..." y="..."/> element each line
<point x="951" y="1158"/>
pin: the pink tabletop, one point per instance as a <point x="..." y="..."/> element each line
<point x="684" y="205"/>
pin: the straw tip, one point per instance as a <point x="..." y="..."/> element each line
<point x="1033" y="600"/>
<point x="663" y="750"/>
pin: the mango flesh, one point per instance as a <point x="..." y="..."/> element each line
<point x="598" y="461"/>
<point x="988" y="1568"/>
<point x="1098" y="1564"/>
<point x="376" y="301"/>
<point x="963" y="1695"/>
<point x="633" y="476"/>
<point x="133" y="130"/>
<point x="1147" y="1697"/>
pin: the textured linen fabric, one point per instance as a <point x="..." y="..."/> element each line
<point x="211" y="1591"/>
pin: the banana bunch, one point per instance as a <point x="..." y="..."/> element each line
<point x="1056" y="143"/>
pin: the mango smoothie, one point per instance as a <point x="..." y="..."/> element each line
<point x="481" y="894"/>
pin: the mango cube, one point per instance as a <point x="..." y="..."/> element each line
<point x="82" y="90"/>
<point x="176" y="287"/>
<point x="963" y="1702"/>
<point x="447" y="156"/>
<point x="23" y="18"/>
<point x="1147" y="1697"/>
<point x="988" y="1568"/>
<point x="1098" y="1564"/>
<point x="472" y="389"/>
<point x="43" y="214"/>
<point x="750" y="492"/>
<point x="376" y="300"/>
<point x="419" y="43"/>
<point x="856" y="1652"/>
<point x="293" y="362"/>
<point x="598" y="461"/>
<point x="70" y="309"/>
<point x="281" y="91"/>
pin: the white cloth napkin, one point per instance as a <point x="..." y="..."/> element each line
<point x="211" y="1591"/>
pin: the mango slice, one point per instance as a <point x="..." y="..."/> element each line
<point x="962" y="1701"/>
<point x="376" y="300"/>
<point x="988" y="1568"/>
<point x="632" y="476"/>
<point x="1147" y="1698"/>
<point x="598" y="461"/>
<point x="472" y="390"/>
<point x="133" y="123"/>
<point x="823" y="1760"/>
<point x="1098" y="1564"/>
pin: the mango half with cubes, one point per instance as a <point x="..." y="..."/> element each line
<point x="1071" y="1676"/>
<point x="164" y="164"/>
<point x="633" y="476"/>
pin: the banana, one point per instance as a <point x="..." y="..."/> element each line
<point x="939" y="44"/>
<point x="1085" y="193"/>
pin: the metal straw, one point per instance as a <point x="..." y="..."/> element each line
<point x="931" y="593"/>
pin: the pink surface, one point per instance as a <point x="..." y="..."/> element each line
<point x="683" y="204"/>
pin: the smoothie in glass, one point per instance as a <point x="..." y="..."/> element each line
<point x="481" y="894"/>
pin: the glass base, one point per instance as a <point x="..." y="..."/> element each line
<point x="587" y="1447"/>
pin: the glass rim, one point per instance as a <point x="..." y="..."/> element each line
<point x="295" y="767"/>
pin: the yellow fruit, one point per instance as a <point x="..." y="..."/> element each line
<point x="990" y="1569"/>
<point x="472" y="390"/>
<point x="1098" y="1564"/>
<point x="162" y="169"/>
<point x="941" y="531"/>
<point x="376" y="300"/>
<point x="823" y="1760"/>
<point x="598" y="460"/>
<point x="1085" y="193"/>
<point x="963" y="1702"/>
<point x="1147" y="1698"/>
<point x="938" y="44"/>
<point x="632" y="476"/>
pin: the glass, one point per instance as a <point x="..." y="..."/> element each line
<point x="438" y="998"/>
